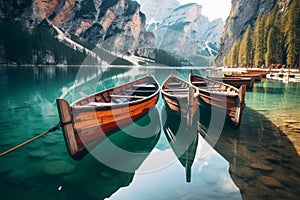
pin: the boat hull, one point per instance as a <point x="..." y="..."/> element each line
<point x="235" y="81"/>
<point x="85" y="125"/>
<point x="221" y="97"/>
<point x="255" y="77"/>
<point x="179" y="96"/>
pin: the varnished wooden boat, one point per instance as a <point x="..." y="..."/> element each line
<point x="262" y="71"/>
<point x="85" y="121"/>
<point x="180" y="97"/>
<point x="256" y="77"/>
<point x="221" y="96"/>
<point x="235" y="81"/>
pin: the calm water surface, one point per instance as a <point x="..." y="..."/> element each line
<point x="153" y="158"/>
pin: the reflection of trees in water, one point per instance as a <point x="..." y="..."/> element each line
<point x="263" y="161"/>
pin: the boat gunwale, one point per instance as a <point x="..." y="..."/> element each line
<point x="236" y="90"/>
<point x="116" y="105"/>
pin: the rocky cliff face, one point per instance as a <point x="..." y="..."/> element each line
<point x="243" y="13"/>
<point x="184" y="31"/>
<point x="117" y="25"/>
<point x="156" y="10"/>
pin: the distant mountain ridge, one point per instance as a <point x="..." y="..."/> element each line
<point x="183" y="30"/>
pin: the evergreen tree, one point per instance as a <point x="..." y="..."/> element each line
<point x="234" y="54"/>
<point x="225" y="61"/>
<point x="245" y="49"/>
<point x="259" y="41"/>
<point x="271" y="47"/>
<point x="292" y="34"/>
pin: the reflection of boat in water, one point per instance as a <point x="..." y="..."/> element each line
<point x="182" y="139"/>
<point x="112" y="164"/>
<point x="85" y="121"/>
<point x="263" y="162"/>
<point x="180" y="97"/>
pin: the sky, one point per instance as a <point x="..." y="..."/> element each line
<point x="212" y="9"/>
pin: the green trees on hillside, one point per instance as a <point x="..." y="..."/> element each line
<point x="274" y="39"/>
<point x="292" y="34"/>
<point x="166" y="58"/>
<point x="245" y="50"/>
<point x="259" y="41"/>
<point x="233" y="55"/>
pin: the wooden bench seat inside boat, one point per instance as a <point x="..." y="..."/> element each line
<point x="151" y="86"/>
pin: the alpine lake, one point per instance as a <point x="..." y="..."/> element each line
<point x="147" y="159"/>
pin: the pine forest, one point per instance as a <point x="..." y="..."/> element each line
<point x="274" y="40"/>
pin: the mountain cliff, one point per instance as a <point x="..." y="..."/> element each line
<point x="183" y="30"/>
<point x="116" y="25"/>
<point x="244" y="13"/>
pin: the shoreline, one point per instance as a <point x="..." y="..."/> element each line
<point x="258" y="70"/>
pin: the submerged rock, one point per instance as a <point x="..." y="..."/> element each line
<point x="291" y="121"/>
<point x="15" y="177"/>
<point x="58" y="167"/>
<point x="260" y="166"/>
<point x="38" y="154"/>
<point x="270" y="182"/>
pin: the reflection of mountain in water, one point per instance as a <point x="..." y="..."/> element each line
<point x="263" y="162"/>
<point x="183" y="140"/>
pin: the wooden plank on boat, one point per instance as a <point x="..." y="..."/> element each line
<point x="141" y="91"/>
<point x="176" y="89"/>
<point x="127" y="96"/>
<point x="173" y="84"/>
<point x="198" y="82"/>
<point x="144" y="86"/>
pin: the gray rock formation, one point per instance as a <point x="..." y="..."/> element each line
<point x="184" y="31"/>
<point x="117" y="25"/>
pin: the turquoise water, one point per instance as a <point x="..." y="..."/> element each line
<point x="260" y="160"/>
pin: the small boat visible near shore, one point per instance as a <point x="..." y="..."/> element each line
<point x="87" y="120"/>
<point x="235" y="81"/>
<point x="221" y="96"/>
<point x="181" y="97"/>
<point x="284" y="76"/>
<point x="256" y="77"/>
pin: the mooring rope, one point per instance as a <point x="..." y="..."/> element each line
<point x="54" y="128"/>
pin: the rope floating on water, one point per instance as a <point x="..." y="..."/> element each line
<point x="54" y="128"/>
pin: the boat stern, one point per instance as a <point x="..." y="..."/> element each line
<point x="240" y="106"/>
<point x="74" y="145"/>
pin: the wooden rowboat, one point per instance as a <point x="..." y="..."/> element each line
<point x="256" y="77"/>
<point x="235" y="81"/>
<point x="181" y="97"/>
<point x="262" y="71"/>
<point x="87" y="120"/>
<point x="221" y="96"/>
